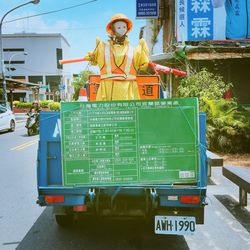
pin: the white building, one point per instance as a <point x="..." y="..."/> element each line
<point x="34" y="58"/>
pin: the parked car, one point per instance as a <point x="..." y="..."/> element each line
<point x="7" y="119"/>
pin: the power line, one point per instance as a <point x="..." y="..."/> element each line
<point x="80" y="28"/>
<point x="40" y="72"/>
<point x="50" y="12"/>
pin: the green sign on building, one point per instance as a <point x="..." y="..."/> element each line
<point x="130" y="142"/>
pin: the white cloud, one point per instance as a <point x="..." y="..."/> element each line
<point x="34" y="24"/>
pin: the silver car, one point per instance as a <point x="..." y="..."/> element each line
<point x="7" y="119"/>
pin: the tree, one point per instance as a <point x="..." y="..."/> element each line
<point x="228" y="124"/>
<point x="80" y="81"/>
<point x="204" y="85"/>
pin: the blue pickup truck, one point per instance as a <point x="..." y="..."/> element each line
<point x="174" y="207"/>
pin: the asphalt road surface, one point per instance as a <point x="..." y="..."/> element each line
<point x="24" y="225"/>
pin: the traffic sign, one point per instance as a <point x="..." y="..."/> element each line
<point x="61" y="87"/>
<point x="44" y="86"/>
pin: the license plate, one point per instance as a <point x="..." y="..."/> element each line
<point x="179" y="225"/>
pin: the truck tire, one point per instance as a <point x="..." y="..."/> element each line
<point x="64" y="220"/>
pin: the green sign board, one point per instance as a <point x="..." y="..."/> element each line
<point x="44" y="86"/>
<point x="130" y="142"/>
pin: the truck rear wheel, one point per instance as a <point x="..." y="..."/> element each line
<point x="64" y="220"/>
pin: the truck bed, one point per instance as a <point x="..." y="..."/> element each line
<point x="116" y="200"/>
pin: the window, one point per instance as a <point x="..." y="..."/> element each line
<point x="59" y="57"/>
<point x="20" y="78"/>
<point x="15" y="62"/>
<point x="13" y="49"/>
<point x="35" y="79"/>
<point x="2" y="110"/>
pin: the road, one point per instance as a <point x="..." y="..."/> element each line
<point x="18" y="210"/>
<point x="24" y="225"/>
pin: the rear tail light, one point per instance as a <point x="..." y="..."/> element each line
<point x="190" y="199"/>
<point x="54" y="198"/>
<point x="81" y="208"/>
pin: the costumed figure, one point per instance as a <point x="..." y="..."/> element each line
<point x="237" y="19"/>
<point x="118" y="61"/>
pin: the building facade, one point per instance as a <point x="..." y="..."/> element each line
<point x="170" y="42"/>
<point x="34" y="58"/>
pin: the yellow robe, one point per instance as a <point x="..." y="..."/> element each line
<point x="119" y="89"/>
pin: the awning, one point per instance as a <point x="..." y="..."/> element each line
<point x="19" y="84"/>
<point x="201" y="52"/>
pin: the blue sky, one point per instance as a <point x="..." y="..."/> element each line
<point x="80" y="26"/>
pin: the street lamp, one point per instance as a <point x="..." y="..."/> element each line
<point x="11" y="57"/>
<point x="11" y="89"/>
<point x="1" y="46"/>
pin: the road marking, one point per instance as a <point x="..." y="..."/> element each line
<point x="25" y="145"/>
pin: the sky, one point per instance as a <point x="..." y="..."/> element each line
<point x="80" y="26"/>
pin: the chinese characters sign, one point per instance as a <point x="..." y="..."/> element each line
<point x="148" y="86"/>
<point x="130" y="142"/>
<point x="147" y="8"/>
<point x="199" y="20"/>
<point x="194" y="20"/>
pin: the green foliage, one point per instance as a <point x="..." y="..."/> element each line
<point x="54" y="106"/>
<point x="45" y="103"/>
<point x="228" y="126"/>
<point x="15" y="103"/>
<point x="23" y="105"/>
<point x="204" y="85"/>
<point x="80" y="81"/>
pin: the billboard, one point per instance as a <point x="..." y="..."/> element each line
<point x="147" y="9"/>
<point x="199" y="20"/>
<point x="130" y="142"/>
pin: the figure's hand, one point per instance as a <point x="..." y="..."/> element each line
<point x="90" y="56"/>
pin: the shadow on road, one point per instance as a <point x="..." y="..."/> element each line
<point x="210" y="182"/>
<point x="93" y="234"/>
<point x="25" y="135"/>
<point x="239" y="212"/>
<point x="31" y="136"/>
<point x="4" y="132"/>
